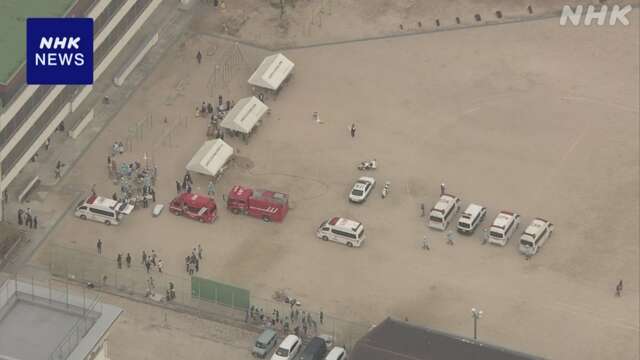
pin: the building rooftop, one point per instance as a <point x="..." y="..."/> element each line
<point x="38" y="322"/>
<point x="398" y="340"/>
<point x="13" y="29"/>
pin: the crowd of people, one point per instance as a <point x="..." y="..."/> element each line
<point x="27" y="218"/>
<point x="192" y="262"/>
<point x="296" y="321"/>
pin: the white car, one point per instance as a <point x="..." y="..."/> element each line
<point x="534" y="236"/>
<point x="361" y="189"/>
<point x="288" y="349"/>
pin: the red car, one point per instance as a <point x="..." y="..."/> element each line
<point x="265" y="204"/>
<point x="194" y="206"/>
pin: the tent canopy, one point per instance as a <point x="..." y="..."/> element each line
<point x="244" y="115"/>
<point x="272" y="72"/>
<point x="210" y="158"/>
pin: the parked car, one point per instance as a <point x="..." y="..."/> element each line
<point x="337" y="353"/>
<point x="341" y="230"/>
<point x="288" y="349"/>
<point x="361" y="189"/>
<point x="265" y="342"/>
<point x="442" y="212"/>
<point x="102" y="209"/>
<point x="315" y="350"/>
<point x="503" y="227"/>
<point x="470" y="218"/>
<point x="534" y="236"/>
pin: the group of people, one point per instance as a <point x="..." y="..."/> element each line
<point x="296" y="321"/>
<point x="192" y="262"/>
<point x="151" y="260"/>
<point x="27" y="218"/>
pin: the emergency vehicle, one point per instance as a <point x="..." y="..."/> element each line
<point x="504" y="225"/>
<point x="102" y="209"/>
<point x="535" y="235"/>
<point x="194" y="206"/>
<point x="265" y="204"/>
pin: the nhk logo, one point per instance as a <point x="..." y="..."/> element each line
<point x="60" y="51"/>
<point x="616" y="14"/>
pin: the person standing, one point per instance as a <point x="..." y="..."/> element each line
<point x="128" y="259"/>
<point x="619" y="289"/>
<point x="425" y="244"/>
<point x="99" y="246"/>
<point x="442" y="189"/>
<point x="20" y="214"/>
<point x="199" y="57"/>
<point x="199" y="252"/>
<point x="353" y="130"/>
<point x="450" y="238"/>
<point x="210" y="189"/>
<point x="144" y="257"/>
<point x="160" y="265"/>
<point x="178" y="187"/>
<point x="119" y="259"/>
<point x="147" y="265"/>
<point x="422" y="210"/>
<point x="321" y="317"/>
<point x="35" y="222"/>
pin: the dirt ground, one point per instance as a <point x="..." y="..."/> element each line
<point x="146" y="332"/>
<point x="532" y="117"/>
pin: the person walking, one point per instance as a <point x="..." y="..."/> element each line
<point x="425" y="244"/>
<point x="450" y="238"/>
<point x="619" y="289"/>
<point x="199" y="57"/>
<point x="442" y="189"/>
<point x="119" y="259"/>
<point x="353" y="130"/>
<point x="128" y="260"/>
<point x="210" y="189"/>
<point x="99" y="246"/>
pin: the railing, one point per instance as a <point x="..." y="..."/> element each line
<point x="76" y="333"/>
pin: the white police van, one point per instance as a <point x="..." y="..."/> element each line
<point x="442" y="212"/>
<point x="534" y="236"/>
<point x="470" y="218"/>
<point x="503" y="227"/>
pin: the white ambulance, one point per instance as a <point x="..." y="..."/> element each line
<point x="503" y="227"/>
<point x="534" y="236"/>
<point x="101" y="209"/>
<point x="343" y="231"/>
<point x="442" y="212"/>
<point x="470" y="218"/>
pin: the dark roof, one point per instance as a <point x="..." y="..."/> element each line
<point x="399" y="340"/>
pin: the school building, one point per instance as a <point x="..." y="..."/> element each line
<point x="29" y="114"/>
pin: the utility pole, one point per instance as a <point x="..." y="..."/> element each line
<point x="476" y="314"/>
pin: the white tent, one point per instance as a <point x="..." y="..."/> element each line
<point x="211" y="157"/>
<point x="244" y="115"/>
<point x="272" y="72"/>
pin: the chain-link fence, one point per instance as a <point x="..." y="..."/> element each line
<point x="56" y="294"/>
<point x="202" y="296"/>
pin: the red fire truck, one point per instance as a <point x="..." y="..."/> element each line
<point x="267" y="205"/>
<point x="194" y="206"/>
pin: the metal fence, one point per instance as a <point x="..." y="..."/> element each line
<point x="196" y="295"/>
<point x="56" y="294"/>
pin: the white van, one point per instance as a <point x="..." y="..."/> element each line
<point x="470" y="218"/>
<point x="101" y="209"/>
<point x="503" y="227"/>
<point x="534" y="236"/>
<point x="442" y="213"/>
<point x="341" y="230"/>
<point x="337" y="353"/>
<point x="288" y="349"/>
